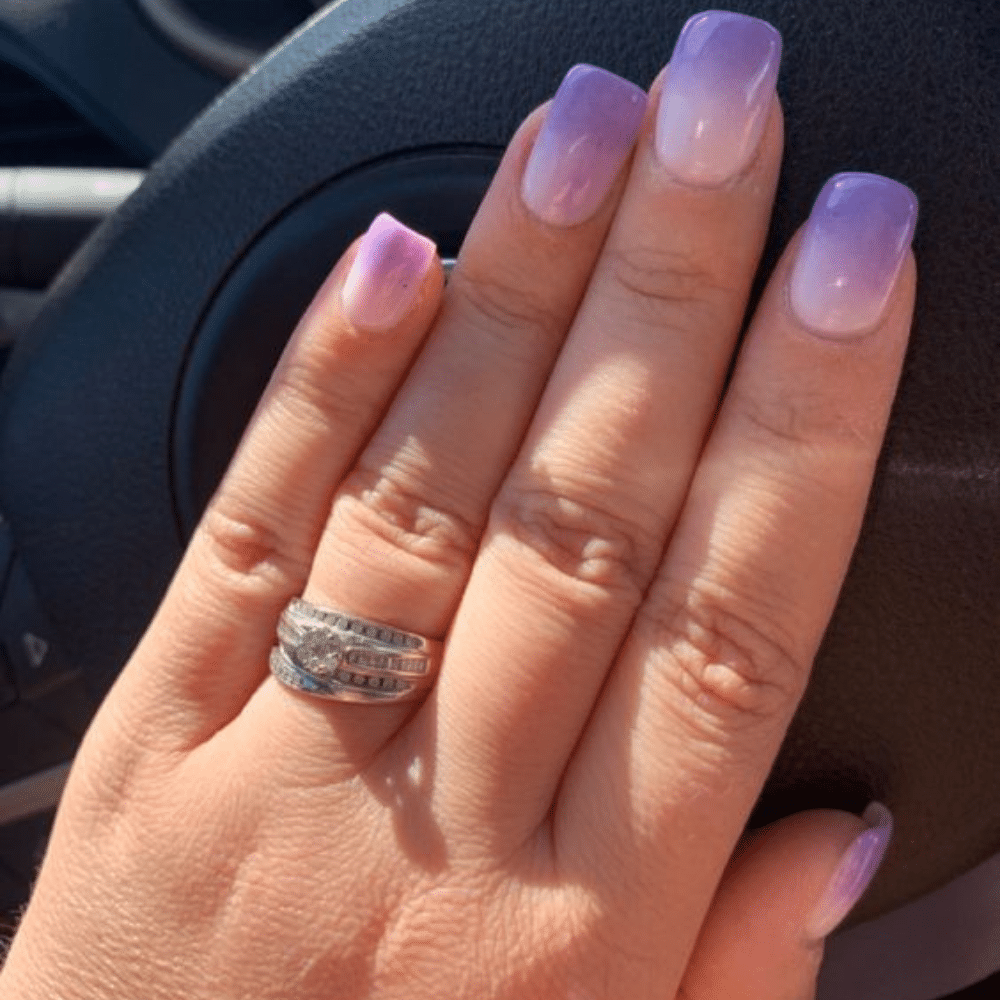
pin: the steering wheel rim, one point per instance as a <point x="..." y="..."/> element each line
<point x="101" y="418"/>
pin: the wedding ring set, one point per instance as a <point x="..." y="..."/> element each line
<point x="331" y="654"/>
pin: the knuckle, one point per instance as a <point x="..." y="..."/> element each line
<point x="667" y="287"/>
<point x="505" y="307"/>
<point x="388" y="505"/>
<point x="247" y="552"/>
<point x="584" y="542"/>
<point x="309" y="388"/>
<point x="732" y="668"/>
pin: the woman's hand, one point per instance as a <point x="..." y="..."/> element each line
<point x="632" y="560"/>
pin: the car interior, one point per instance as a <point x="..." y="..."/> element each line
<point x="176" y="179"/>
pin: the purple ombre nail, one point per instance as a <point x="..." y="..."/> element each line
<point x="716" y="96"/>
<point x="851" y="252"/>
<point x="587" y="136"/>
<point x="386" y="274"/>
<point x="854" y="874"/>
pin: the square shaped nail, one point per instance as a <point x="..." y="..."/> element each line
<point x="851" y="252"/>
<point x="386" y="274"/>
<point x="716" y="96"/>
<point x="588" y="134"/>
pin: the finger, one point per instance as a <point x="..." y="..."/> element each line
<point x="406" y="524"/>
<point x="694" y="712"/>
<point x="579" y="525"/>
<point x="783" y="893"/>
<point x="206" y="650"/>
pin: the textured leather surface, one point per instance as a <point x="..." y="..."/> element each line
<point x="906" y="692"/>
<point x="107" y="61"/>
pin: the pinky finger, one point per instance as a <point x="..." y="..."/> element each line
<point x="785" y="890"/>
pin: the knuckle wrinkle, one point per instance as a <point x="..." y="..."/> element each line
<point x="509" y="311"/>
<point x="246" y="549"/>
<point x="382" y="504"/>
<point x="582" y="541"/>
<point x="671" y="287"/>
<point x="730" y="670"/>
<point x="308" y="384"/>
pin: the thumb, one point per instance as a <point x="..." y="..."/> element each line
<point x="786" y="888"/>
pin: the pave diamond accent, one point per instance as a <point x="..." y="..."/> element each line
<point x="343" y="684"/>
<point x="303" y="612"/>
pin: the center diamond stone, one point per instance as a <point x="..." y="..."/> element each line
<point x="320" y="653"/>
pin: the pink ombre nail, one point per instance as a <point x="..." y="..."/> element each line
<point x="587" y="137"/>
<point x="854" y="874"/>
<point x="386" y="274"/>
<point x="716" y="96"/>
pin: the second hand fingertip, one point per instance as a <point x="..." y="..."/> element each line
<point x="854" y="873"/>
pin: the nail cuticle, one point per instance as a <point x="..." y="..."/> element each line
<point x="836" y="340"/>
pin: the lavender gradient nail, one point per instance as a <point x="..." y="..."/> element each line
<point x="854" y="874"/>
<point x="587" y="136"/>
<point x="716" y="96"/>
<point x="850" y="256"/>
<point x="386" y="274"/>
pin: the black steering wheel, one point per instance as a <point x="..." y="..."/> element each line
<point x="120" y="410"/>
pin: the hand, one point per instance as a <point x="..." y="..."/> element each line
<point x="633" y="562"/>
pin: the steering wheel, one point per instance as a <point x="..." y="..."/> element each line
<point x="121" y="409"/>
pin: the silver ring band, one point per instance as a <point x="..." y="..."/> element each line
<point x="331" y="654"/>
<point x="374" y="657"/>
<point x="360" y="629"/>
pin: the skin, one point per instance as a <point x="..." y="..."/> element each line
<point x="584" y="508"/>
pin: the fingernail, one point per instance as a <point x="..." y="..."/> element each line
<point x="854" y="874"/>
<point x="716" y="96"/>
<point x="386" y="274"/>
<point x="851" y="252"/>
<point x="588" y="134"/>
